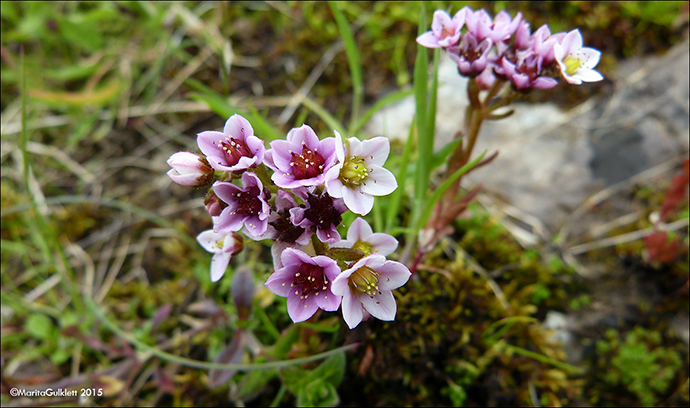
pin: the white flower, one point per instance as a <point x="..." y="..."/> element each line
<point x="359" y="176"/>
<point x="360" y="236"/>
<point x="367" y="285"/>
<point x="223" y="245"/>
<point x="577" y="62"/>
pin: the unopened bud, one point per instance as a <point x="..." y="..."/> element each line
<point x="242" y="291"/>
<point x="189" y="169"/>
<point x="214" y="205"/>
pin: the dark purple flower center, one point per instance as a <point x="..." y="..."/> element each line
<point x="471" y="54"/>
<point x="322" y="212"/>
<point x="308" y="164"/>
<point x="234" y="149"/>
<point x="248" y="202"/>
<point x="287" y="231"/>
<point x="311" y="278"/>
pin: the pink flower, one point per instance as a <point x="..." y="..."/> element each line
<point x="543" y="42"/>
<point x="472" y="55"/>
<point x="359" y="176"/>
<point x="482" y="26"/>
<point x="503" y="27"/>
<point x="306" y="282"/>
<point x="523" y="39"/>
<point x="235" y="149"/>
<point x="302" y="159"/>
<point x="247" y="206"/>
<point x="361" y="237"/>
<point x="189" y="169"/>
<point x="526" y="72"/>
<point x="577" y="62"/>
<point x="368" y="285"/>
<point x="223" y="245"/>
<point x="445" y="31"/>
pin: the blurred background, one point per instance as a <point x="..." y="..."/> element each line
<point x="583" y="302"/>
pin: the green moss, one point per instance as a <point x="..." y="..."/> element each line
<point x="640" y="363"/>
<point x="445" y="346"/>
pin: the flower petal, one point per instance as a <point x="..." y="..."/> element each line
<point x="428" y="40"/>
<point x="589" y="76"/>
<point x="358" y="202"/>
<point x="382" y="306"/>
<point x="209" y="240"/>
<point x="294" y="257"/>
<point x="392" y="275"/>
<point x="359" y="230"/>
<point x="383" y="244"/>
<point x="219" y="264"/>
<point x="300" y="309"/>
<point x="376" y="150"/>
<point x="238" y="127"/>
<point x="352" y="311"/>
<point x="327" y="301"/>
<point x="380" y="182"/>
<point x="279" y="282"/>
<point x="590" y="57"/>
<point x="207" y="140"/>
<point x="229" y="220"/>
<point x="339" y="285"/>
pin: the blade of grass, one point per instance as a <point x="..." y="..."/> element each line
<point x="421" y="67"/>
<point x="46" y="232"/>
<point x="396" y="196"/>
<point x="354" y="61"/>
<point x="112" y="203"/>
<point x="540" y="357"/>
<point x="442" y="154"/>
<point x="380" y="104"/>
<point x="428" y="144"/>
<point x="223" y="108"/>
<point x="420" y="86"/>
<point x="329" y="119"/>
<point x="431" y="202"/>
<point x="188" y="362"/>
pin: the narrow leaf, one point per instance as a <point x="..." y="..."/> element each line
<point x="431" y="202"/>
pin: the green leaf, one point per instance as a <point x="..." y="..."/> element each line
<point x="421" y="67"/>
<point x="251" y="385"/>
<point x="318" y="393"/>
<point x="329" y="119"/>
<point x="85" y="33"/>
<point x="354" y="60"/>
<point x="282" y="346"/>
<point x="39" y="326"/>
<point x="442" y="154"/>
<point x="396" y="196"/>
<point x="431" y="202"/>
<point x="331" y="370"/>
<point x="59" y="356"/>
<point x="220" y="105"/>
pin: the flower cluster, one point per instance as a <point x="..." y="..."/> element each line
<point x="505" y="48"/>
<point x="295" y="193"/>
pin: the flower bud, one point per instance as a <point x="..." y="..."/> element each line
<point x="242" y="290"/>
<point x="214" y="205"/>
<point x="189" y="169"/>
